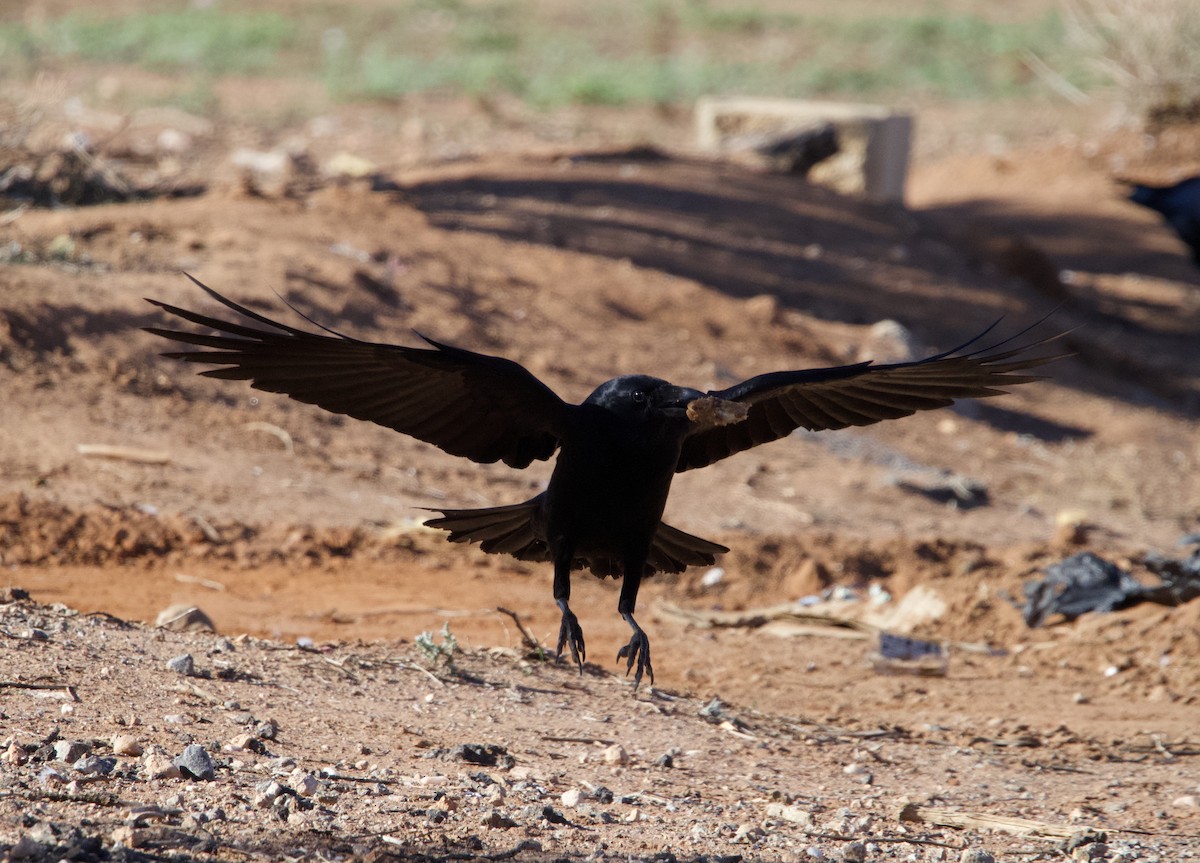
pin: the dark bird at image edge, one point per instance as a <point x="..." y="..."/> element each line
<point x="1179" y="206"/>
<point x="617" y="451"/>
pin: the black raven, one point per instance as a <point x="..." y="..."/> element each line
<point x="618" y="450"/>
<point x="1179" y="205"/>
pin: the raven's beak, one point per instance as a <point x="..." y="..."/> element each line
<point x="675" y="400"/>
<point x="701" y="408"/>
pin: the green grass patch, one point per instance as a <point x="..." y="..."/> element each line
<point x="622" y="52"/>
<point x="208" y="40"/>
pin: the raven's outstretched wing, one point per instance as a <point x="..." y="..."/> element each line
<point x="483" y="408"/>
<point x="860" y="394"/>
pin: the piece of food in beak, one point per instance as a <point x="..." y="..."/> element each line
<point x="711" y="411"/>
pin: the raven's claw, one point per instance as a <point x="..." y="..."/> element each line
<point x="637" y="651"/>
<point x="570" y="634"/>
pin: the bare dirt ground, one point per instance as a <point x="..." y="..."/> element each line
<point x="283" y="523"/>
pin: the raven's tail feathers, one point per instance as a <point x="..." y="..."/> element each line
<point x="497" y="529"/>
<point x="674" y="551"/>
<point x="510" y="530"/>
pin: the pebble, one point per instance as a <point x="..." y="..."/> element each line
<point x="748" y="833"/>
<point x="126" y="744"/>
<point x="267" y="729"/>
<point x="182" y="664"/>
<point x="266" y="792"/>
<point x="535" y="812"/>
<point x="130" y="837"/>
<point x="158" y="765"/>
<point x="195" y="762"/>
<point x="571" y="798"/>
<point x="70" y="751"/>
<point x="496" y="819"/>
<point x="1187" y="801"/>
<point x="15" y="754"/>
<point x="306" y="784"/>
<point x="244" y="743"/>
<point x="95" y="765"/>
<point x="184" y="618"/>
<point x="790" y="813"/>
<point x="51" y="776"/>
<point x="615" y="755"/>
<point x="816" y="852"/>
<point x="976" y="855"/>
<point x="25" y="848"/>
<point x="854" y="852"/>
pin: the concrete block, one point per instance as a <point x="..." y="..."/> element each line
<point x="875" y="140"/>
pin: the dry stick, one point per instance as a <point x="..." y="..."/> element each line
<point x="69" y="688"/>
<point x="943" y="817"/>
<point x="137" y="455"/>
<point x="906" y="840"/>
<point x="530" y="642"/>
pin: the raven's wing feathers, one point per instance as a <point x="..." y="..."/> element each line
<point x="859" y="395"/>
<point x="481" y="407"/>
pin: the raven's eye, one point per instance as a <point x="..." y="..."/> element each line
<point x="638" y="397"/>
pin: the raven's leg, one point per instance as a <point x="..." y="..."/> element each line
<point x="638" y="648"/>
<point x="570" y="634"/>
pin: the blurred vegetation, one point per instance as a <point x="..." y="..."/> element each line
<point x="621" y="52"/>
<point x="1149" y="48"/>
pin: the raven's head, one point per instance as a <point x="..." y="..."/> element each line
<point x="645" y="400"/>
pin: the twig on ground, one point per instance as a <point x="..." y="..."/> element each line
<point x="526" y="636"/>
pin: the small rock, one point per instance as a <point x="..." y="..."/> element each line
<point x="130" y="837"/>
<point x="196" y="763"/>
<point x="245" y="743"/>
<point x="306" y="784"/>
<point x="25" y="848"/>
<point x="485" y="754"/>
<point x="713" y="577"/>
<point x="184" y="618"/>
<point x="266" y="792"/>
<point x="182" y="664"/>
<point x="541" y="812"/>
<point x="126" y="744"/>
<point x="15" y="755"/>
<point x="158" y="765"/>
<point x="267" y="729"/>
<point x="814" y="852"/>
<point x="94" y="765"/>
<point x="976" y="855"/>
<point x="70" y="751"/>
<point x="794" y="814"/>
<point x="748" y="833"/>
<point x="854" y="852"/>
<point x="1187" y="801"/>
<point x="51" y="776"/>
<point x="571" y="798"/>
<point x="615" y="755"/>
<point x="496" y="819"/>
<point x="348" y="165"/>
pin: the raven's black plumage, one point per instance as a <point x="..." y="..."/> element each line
<point x="1179" y="206"/>
<point x="617" y="451"/>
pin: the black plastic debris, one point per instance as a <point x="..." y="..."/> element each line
<point x="900" y="654"/>
<point x="902" y="647"/>
<point x="1181" y="575"/>
<point x="1087" y="583"/>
